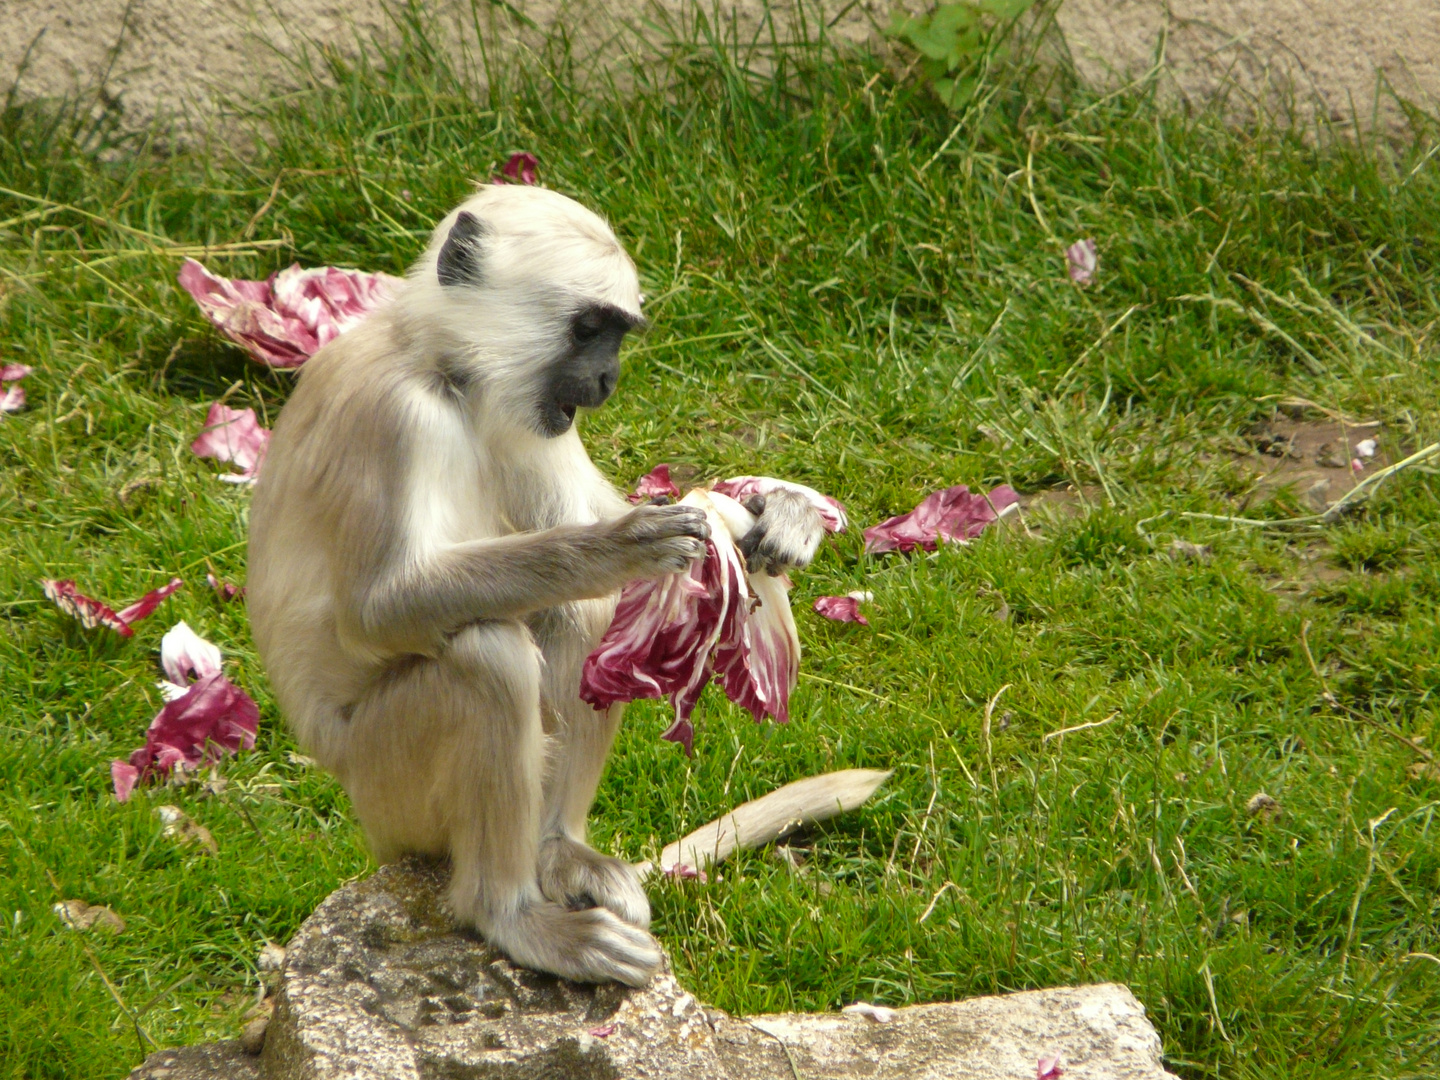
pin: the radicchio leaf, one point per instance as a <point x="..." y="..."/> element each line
<point x="186" y="656"/>
<point x="12" y="394"/>
<point x="233" y="435"/>
<point x="841" y="609"/>
<point x="524" y="167"/>
<point x="90" y="613"/>
<point x="952" y="514"/>
<point x="674" y="634"/>
<point x="655" y="483"/>
<point x="285" y="319"/>
<point x="224" y="591"/>
<point x="1082" y="260"/>
<point x="201" y="721"/>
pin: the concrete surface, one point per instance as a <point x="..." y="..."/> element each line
<point x="178" y="61"/>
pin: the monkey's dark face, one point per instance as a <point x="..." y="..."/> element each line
<point x="586" y="371"/>
<point x="585" y="367"/>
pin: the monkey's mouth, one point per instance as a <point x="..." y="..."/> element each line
<point x="555" y="418"/>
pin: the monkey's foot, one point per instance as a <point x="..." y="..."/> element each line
<point x="590" y="946"/>
<point x="577" y="876"/>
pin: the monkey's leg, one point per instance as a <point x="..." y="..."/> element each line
<point x="455" y="758"/>
<point x="571" y="871"/>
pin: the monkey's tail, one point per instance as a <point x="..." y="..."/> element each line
<point x="758" y="822"/>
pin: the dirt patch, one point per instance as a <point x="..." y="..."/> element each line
<point x="1318" y="460"/>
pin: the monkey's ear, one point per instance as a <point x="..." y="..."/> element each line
<point x="459" y="262"/>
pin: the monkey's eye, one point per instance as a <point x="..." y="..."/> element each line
<point x="587" y="326"/>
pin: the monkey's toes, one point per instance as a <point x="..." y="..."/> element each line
<point x="577" y="876"/>
<point x="589" y="946"/>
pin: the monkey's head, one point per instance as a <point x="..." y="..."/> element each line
<point x="522" y="300"/>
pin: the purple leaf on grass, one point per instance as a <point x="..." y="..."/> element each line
<point x="953" y="514"/>
<point x="12" y="394"/>
<point x="285" y="319"/>
<point x="842" y="608"/>
<point x="90" y="613"/>
<point x="521" y="168"/>
<point x="223" y="590"/>
<point x="1082" y="259"/>
<point x="653" y="484"/>
<point x="202" y="720"/>
<point x="233" y="435"/>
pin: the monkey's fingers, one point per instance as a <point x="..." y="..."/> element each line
<point x="647" y="523"/>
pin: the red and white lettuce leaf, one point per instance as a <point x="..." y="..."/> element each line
<point x="841" y="609"/>
<point x="224" y="591"/>
<point x="740" y="488"/>
<point x="235" y="436"/>
<point x="201" y="721"/>
<point x="185" y="657"/>
<point x="758" y="671"/>
<point x="673" y="635"/>
<point x="285" y="319"/>
<point x="1082" y="259"/>
<point x="213" y="718"/>
<point x="12" y="394"/>
<point x="90" y="613"/>
<point x="148" y="603"/>
<point x="523" y="168"/>
<point x="655" y="483"/>
<point x="953" y="514"/>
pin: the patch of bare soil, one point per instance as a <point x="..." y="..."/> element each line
<point x="1316" y="459"/>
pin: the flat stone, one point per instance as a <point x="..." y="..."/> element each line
<point x="212" y="1061"/>
<point x="380" y="984"/>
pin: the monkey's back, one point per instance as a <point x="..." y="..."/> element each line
<point x="328" y="476"/>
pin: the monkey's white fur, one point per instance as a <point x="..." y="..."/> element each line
<point x="428" y="572"/>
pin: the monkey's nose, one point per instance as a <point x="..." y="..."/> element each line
<point x="606" y="384"/>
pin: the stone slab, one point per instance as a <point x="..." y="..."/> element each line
<point x="379" y="984"/>
<point x="212" y="1061"/>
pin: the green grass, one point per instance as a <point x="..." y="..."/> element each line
<point x="850" y="290"/>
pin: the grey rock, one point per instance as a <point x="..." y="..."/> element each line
<point x="379" y="984"/>
<point x="212" y="1061"/>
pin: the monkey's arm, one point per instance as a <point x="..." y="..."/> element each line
<point x="415" y="605"/>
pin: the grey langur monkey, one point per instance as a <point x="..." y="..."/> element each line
<point x="433" y="555"/>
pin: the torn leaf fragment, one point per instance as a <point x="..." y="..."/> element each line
<point x="842" y="608"/>
<point x="285" y="319"/>
<point x="523" y="168"/>
<point x="90" y="613"/>
<point x="205" y="716"/>
<point x="12" y="394"/>
<point x="233" y="436"/>
<point x="224" y="591"/>
<point x="654" y="484"/>
<point x="1082" y="260"/>
<point x="953" y="514"/>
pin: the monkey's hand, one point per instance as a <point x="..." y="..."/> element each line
<point x="658" y="540"/>
<point x="787" y="533"/>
